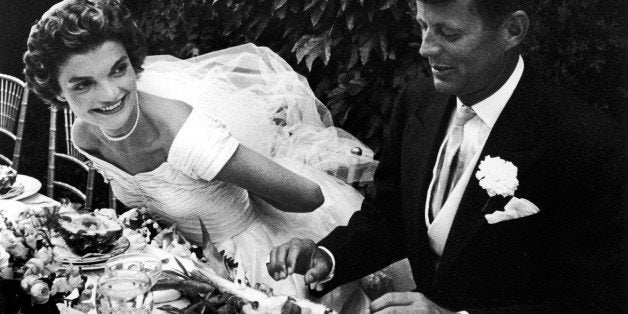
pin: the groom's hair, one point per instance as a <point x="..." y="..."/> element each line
<point x="493" y="12"/>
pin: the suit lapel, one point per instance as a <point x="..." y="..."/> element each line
<point x="514" y="138"/>
<point x="422" y="138"/>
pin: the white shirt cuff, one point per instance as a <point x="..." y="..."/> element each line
<point x="320" y="285"/>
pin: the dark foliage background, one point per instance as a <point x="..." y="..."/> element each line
<point x="356" y="53"/>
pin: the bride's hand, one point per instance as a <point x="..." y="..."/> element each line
<point x="300" y="256"/>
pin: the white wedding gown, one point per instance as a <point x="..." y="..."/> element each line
<point x="238" y="99"/>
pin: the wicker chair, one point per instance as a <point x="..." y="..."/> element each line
<point x="72" y="157"/>
<point x="13" y="103"/>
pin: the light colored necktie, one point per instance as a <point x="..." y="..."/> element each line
<point x="447" y="177"/>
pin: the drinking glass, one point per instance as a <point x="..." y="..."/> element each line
<point x="124" y="292"/>
<point x="136" y="262"/>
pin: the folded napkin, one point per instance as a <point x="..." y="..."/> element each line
<point x="516" y="208"/>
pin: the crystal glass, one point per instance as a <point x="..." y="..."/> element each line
<point x="136" y="262"/>
<point x="124" y="292"/>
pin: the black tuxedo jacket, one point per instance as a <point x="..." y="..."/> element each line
<point x="567" y="256"/>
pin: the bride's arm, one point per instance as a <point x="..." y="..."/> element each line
<point x="283" y="188"/>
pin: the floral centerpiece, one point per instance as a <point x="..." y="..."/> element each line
<point x="27" y="257"/>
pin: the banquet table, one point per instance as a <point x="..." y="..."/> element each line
<point x="39" y="199"/>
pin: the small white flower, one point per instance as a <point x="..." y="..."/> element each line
<point x="107" y="212"/>
<point x="35" y="266"/>
<point x="6" y="272"/>
<point x="74" y="281"/>
<point x="4" y="257"/>
<point x="7" y="239"/>
<point x="40" y="292"/>
<point x="60" y="285"/>
<point x="45" y="254"/>
<point x="497" y="176"/>
<point x="13" y="245"/>
<point x="27" y="281"/>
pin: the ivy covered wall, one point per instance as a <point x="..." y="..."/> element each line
<point x="357" y="53"/>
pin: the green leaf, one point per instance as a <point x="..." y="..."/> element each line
<point x="311" y="57"/>
<point x="281" y="13"/>
<point x="309" y="4"/>
<point x="354" y="57"/>
<point x="387" y="4"/>
<point x="309" y="47"/>
<point x="159" y="26"/>
<point x="340" y="111"/>
<point x="375" y="126"/>
<point x="367" y="43"/>
<point x="327" y="54"/>
<point x="343" y="78"/>
<point x="350" y="21"/>
<point x="280" y="3"/>
<point x="316" y="16"/>
<point x="356" y="85"/>
<point x="383" y="45"/>
<point x="343" y="5"/>
<point x="289" y="30"/>
<point x="295" y="6"/>
<point x="298" y="46"/>
<point x="391" y="55"/>
<point x="260" y="28"/>
<point x="322" y="5"/>
<point x="318" y="51"/>
<point x="338" y="92"/>
<point x="396" y="13"/>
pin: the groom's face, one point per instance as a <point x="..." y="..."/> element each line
<point x="465" y="55"/>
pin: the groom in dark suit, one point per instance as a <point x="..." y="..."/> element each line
<point x="555" y="245"/>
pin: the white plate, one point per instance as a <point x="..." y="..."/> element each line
<point x="11" y="209"/>
<point x="95" y="262"/>
<point x="31" y="186"/>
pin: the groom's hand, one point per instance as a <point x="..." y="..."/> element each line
<point x="405" y="302"/>
<point x="300" y="256"/>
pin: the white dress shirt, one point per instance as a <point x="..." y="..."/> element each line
<point x="476" y="132"/>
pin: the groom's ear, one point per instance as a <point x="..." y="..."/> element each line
<point x="515" y="28"/>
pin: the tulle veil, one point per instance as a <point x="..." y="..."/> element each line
<point x="264" y="103"/>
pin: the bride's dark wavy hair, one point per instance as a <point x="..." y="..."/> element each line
<point x="74" y="27"/>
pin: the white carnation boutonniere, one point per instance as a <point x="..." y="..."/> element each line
<point x="499" y="178"/>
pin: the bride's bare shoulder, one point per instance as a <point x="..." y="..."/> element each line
<point x="83" y="135"/>
<point x="169" y="113"/>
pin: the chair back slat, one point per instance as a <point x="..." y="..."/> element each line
<point x="68" y="121"/>
<point x="52" y="138"/>
<point x="54" y="155"/>
<point x="73" y="157"/>
<point x="20" y="129"/>
<point x="11" y="100"/>
<point x="13" y="104"/>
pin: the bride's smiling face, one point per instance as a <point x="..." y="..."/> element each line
<point x="100" y="87"/>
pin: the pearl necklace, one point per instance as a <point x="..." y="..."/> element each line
<point x="137" y="119"/>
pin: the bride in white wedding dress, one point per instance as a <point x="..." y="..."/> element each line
<point x="235" y="137"/>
